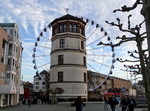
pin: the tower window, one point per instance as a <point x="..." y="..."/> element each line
<point x="60" y="59"/>
<point x="65" y="28"/>
<point x="55" y="30"/>
<point x="84" y="77"/>
<point x="75" y="28"/>
<point x="82" y="31"/>
<point x="84" y="61"/>
<point x="82" y="45"/>
<point x="60" y="76"/>
<point x="70" y="28"/>
<point x="60" y="29"/>
<point x="62" y="43"/>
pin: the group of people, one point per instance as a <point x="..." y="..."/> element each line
<point x="125" y="103"/>
<point x="115" y="102"/>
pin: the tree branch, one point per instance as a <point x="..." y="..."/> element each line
<point x="120" y="60"/>
<point x="119" y="25"/>
<point x="127" y="9"/>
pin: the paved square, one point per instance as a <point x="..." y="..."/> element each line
<point x="59" y="107"/>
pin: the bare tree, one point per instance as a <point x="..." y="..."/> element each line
<point x="143" y="54"/>
<point x="145" y="60"/>
<point x="55" y="91"/>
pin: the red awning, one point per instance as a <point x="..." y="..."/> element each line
<point x="110" y="93"/>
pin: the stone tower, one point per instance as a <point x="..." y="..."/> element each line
<point x="68" y="57"/>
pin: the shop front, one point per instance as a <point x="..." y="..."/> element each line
<point x="8" y="95"/>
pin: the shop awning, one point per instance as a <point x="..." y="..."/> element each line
<point x="20" y="89"/>
<point x="8" y="89"/>
<point x="111" y="93"/>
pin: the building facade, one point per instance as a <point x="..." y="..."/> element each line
<point x="38" y="84"/>
<point x="10" y="64"/>
<point x="94" y="79"/>
<point x="68" y="57"/>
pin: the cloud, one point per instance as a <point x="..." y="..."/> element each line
<point x="33" y="15"/>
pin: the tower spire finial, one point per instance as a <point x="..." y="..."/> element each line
<point x="67" y="10"/>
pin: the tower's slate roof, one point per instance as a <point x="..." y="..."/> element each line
<point x="67" y="16"/>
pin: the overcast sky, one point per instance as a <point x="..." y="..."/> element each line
<point x="33" y="15"/>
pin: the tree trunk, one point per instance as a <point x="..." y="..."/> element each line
<point x="146" y="13"/>
<point x="144" y="70"/>
<point x="52" y="98"/>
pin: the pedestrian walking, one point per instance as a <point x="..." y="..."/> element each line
<point x="105" y="103"/>
<point x="123" y="104"/>
<point x="131" y="104"/>
<point x="118" y="102"/>
<point x="29" y="102"/>
<point x="113" y="102"/>
<point x="78" y="103"/>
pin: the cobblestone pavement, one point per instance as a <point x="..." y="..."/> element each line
<point x="59" y="107"/>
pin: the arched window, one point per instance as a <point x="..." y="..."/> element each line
<point x="60" y="28"/>
<point x="70" y="28"/>
<point x="65" y="28"/>
<point x="75" y="28"/>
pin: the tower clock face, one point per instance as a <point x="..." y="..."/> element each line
<point x="73" y="42"/>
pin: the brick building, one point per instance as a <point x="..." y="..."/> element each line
<point x="10" y="64"/>
<point x="94" y="79"/>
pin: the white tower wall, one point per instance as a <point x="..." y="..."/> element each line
<point x="70" y="57"/>
<point x="68" y="72"/>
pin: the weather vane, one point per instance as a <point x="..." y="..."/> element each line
<point x="67" y="10"/>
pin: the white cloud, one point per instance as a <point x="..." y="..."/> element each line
<point x="34" y="15"/>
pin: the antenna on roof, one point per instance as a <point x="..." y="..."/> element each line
<point x="67" y="10"/>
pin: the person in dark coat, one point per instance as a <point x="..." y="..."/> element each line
<point x="78" y="103"/>
<point x="131" y="104"/>
<point x="113" y="102"/>
<point x="29" y="102"/>
<point x="123" y="103"/>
